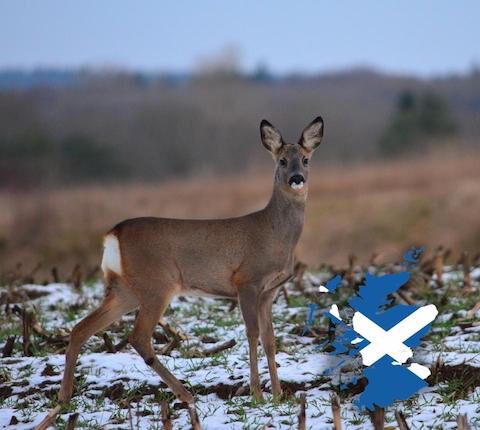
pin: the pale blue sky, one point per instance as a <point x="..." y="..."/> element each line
<point x="422" y="37"/>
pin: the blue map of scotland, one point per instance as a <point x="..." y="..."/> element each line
<point x="384" y="336"/>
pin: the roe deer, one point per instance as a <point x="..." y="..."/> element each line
<point x="148" y="261"/>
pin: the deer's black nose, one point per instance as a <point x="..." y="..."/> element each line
<point x="296" y="179"/>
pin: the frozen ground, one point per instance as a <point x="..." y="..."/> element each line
<point x="118" y="391"/>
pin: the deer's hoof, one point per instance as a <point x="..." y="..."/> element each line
<point x="278" y="395"/>
<point x="258" y="397"/>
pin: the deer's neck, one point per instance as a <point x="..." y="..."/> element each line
<point x="286" y="216"/>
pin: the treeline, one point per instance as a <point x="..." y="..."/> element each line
<point x="419" y="122"/>
<point x="34" y="158"/>
<point x="121" y="127"/>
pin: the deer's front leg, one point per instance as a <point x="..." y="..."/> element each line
<point x="267" y="337"/>
<point x="247" y="297"/>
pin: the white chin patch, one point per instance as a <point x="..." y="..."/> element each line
<point x="296" y="186"/>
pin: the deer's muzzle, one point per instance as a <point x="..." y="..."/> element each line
<point x="296" y="182"/>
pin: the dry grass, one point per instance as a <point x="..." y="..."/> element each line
<point x="381" y="208"/>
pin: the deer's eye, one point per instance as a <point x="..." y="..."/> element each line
<point x="283" y="162"/>
<point x="305" y="161"/>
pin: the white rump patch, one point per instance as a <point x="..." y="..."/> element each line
<point x="111" y="259"/>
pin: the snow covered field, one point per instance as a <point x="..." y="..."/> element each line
<point x="118" y="391"/>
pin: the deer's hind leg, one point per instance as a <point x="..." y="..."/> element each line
<point x="117" y="302"/>
<point x="141" y="339"/>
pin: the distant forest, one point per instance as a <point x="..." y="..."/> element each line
<point x="60" y="128"/>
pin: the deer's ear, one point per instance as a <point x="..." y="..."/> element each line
<point x="312" y="135"/>
<point x="271" y="137"/>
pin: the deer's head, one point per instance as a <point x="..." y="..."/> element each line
<point x="292" y="160"/>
